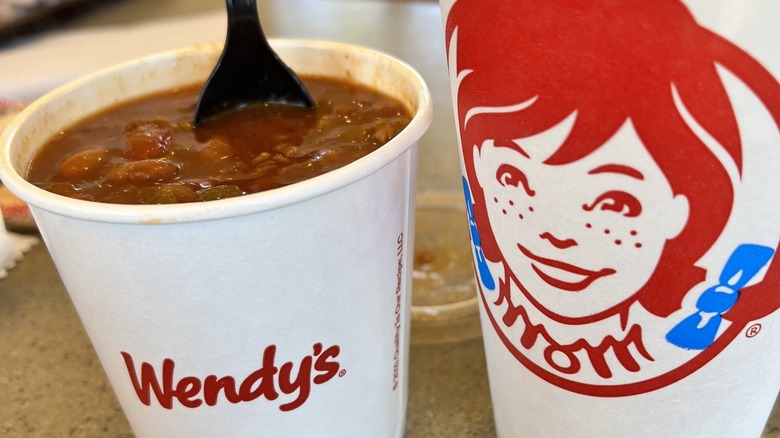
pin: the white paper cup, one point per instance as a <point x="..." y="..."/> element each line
<point x="283" y="313"/>
<point x="620" y="164"/>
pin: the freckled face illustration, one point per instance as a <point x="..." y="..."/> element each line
<point x="588" y="234"/>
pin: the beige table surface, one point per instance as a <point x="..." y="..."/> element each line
<point x="51" y="384"/>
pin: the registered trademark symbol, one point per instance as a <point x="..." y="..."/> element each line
<point x="753" y="330"/>
<point x="342" y="372"/>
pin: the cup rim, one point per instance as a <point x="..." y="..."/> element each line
<point x="229" y="207"/>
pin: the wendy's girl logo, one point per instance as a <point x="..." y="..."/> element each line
<point x="621" y="178"/>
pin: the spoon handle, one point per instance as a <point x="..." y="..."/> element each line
<point x="242" y="10"/>
<point x="244" y="23"/>
<point x="249" y="71"/>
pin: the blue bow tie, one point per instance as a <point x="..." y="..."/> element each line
<point x="698" y="331"/>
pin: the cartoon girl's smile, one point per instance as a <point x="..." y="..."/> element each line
<point x="563" y="275"/>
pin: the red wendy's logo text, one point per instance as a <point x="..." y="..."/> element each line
<point x="267" y="381"/>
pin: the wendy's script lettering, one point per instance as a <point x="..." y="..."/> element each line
<point x="267" y="381"/>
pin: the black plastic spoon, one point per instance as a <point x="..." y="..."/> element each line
<point x="248" y="72"/>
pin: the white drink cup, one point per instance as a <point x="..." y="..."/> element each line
<point x="282" y="313"/>
<point x="620" y="166"/>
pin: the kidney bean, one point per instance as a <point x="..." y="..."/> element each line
<point x="217" y="149"/>
<point x="84" y="164"/>
<point x="160" y="170"/>
<point x="148" y="139"/>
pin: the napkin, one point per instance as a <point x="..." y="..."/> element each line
<point x="12" y="248"/>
